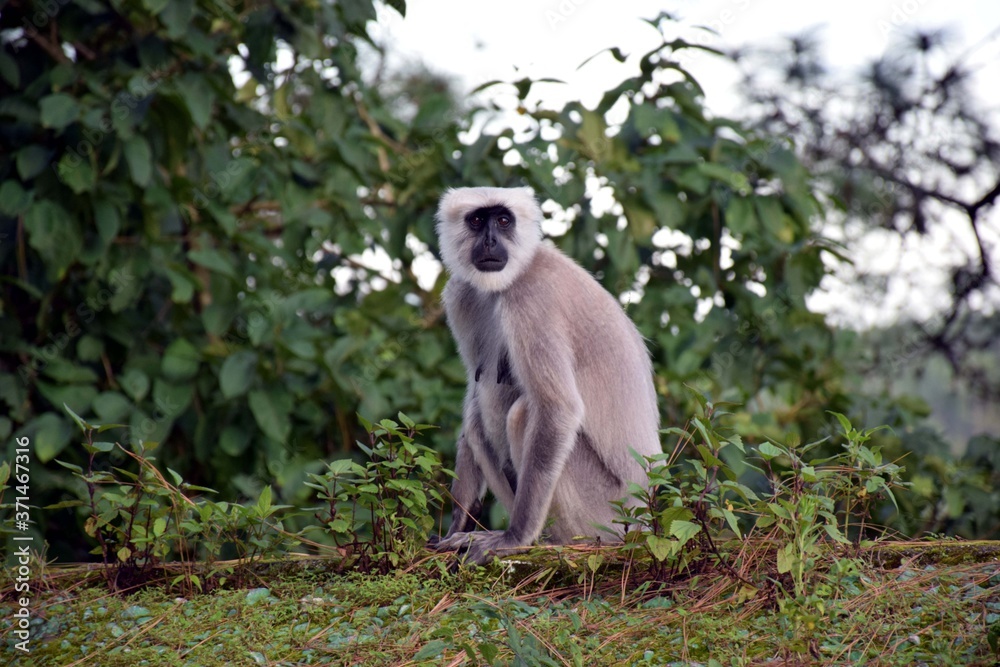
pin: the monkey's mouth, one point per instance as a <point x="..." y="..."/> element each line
<point x="491" y="263"/>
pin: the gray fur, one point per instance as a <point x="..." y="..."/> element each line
<point x="560" y="386"/>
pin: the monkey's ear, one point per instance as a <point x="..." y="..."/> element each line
<point x="453" y="202"/>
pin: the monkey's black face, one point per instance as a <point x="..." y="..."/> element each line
<point x="493" y="228"/>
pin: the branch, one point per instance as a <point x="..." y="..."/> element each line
<point x="888" y="175"/>
<point x="986" y="199"/>
<point x="47" y="46"/>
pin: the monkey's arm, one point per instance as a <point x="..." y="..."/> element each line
<point x="542" y="428"/>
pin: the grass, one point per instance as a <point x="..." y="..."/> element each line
<point x="561" y="607"/>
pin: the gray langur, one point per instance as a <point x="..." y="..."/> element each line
<point x="560" y="384"/>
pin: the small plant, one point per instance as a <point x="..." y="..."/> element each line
<point x="139" y="519"/>
<point x="826" y="497"/>
<point x="696" y="498"/>
<point x="253" y="530"/>
<point x="382" y="511"/>
<point x="690" y="503"/>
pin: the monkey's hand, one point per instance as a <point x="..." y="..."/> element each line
<point x="479" y="546"/>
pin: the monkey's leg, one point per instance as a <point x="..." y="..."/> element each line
<point x="541" y="445"/>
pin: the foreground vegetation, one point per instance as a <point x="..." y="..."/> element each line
<point x="907" y="614"/>
<point x="719" y="574"/>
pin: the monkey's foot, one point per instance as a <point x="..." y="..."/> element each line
<point x="477" y="547"/>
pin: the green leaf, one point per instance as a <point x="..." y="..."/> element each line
<point x="198" y="96"/>
<point x="874" y="484"/>
<point x="684" y="530"/>
<point x="845" y="423"/>
<point x="65" y="504"/>
<point x="54" y="234"/>
<point x="66" y="372"/>
<point x="271" y="409"/>
<point x="258" y="595"/>
<point x="84" y="426"/>
<point x="110" y="406"/>
<point x="159" y="526"/>
<point x="431" y="649"/>
<point x="135" y="383"/>
<point x="264" y="501"/>
<point x="786" y="559"/>
<point x="31" y="160"/>
<point x="834" y="532"/>
<point x="779" y="511"/>
<point x="89" y="348"/>
<point x="77" y="174"/>
<point x="180" y="361"/>
<point x="592" y="134"/>
<point x="140" y="160"/>
<point x="108" y="220"/>
<point x="155" y="6"/>
<point x="14" y="200"/>
<point x="9" y="70"/>
<point x="769" y="451"/>
<point x="238" y="373"/>
<point x="717" y="172"/>
<point x="172" y="399"/>
<point x="773" y="219"/>
<point x="176" y="16"/>
<point x="58" y="111"/>
<point x="733" y="523"/>
<point x="234" y="440"/>
<point x="671" y="514"/>
<point x="212" y="259"/>
<point x="76" y="396"/>
<point x="50" y="434"/>
<point x="740" y="217"/>
<point x="660" y="547"/>
<point x="182" y="285"/>
<point x="400" y="6"/>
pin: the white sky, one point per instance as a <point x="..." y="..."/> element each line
<point x="478" y="41"/>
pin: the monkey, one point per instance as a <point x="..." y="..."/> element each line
<point x="559" y="380"/>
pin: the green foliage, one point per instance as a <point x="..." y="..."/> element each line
<point x="167" y="239"/>
<point x="140" y="520"/>
<point x="806" y="504"/>
<point x="898" y="616"/>
<point x="189" y="253"/>
<point x="383" y="510"/>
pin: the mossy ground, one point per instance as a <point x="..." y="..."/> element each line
<point x="907" y="612"/>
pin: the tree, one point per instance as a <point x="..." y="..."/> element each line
<point x="191" y="192"/>
<point x="904" y="147"/>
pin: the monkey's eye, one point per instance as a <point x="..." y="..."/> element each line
<point x="503" y="221"/>
<point x="476" y="221"/>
